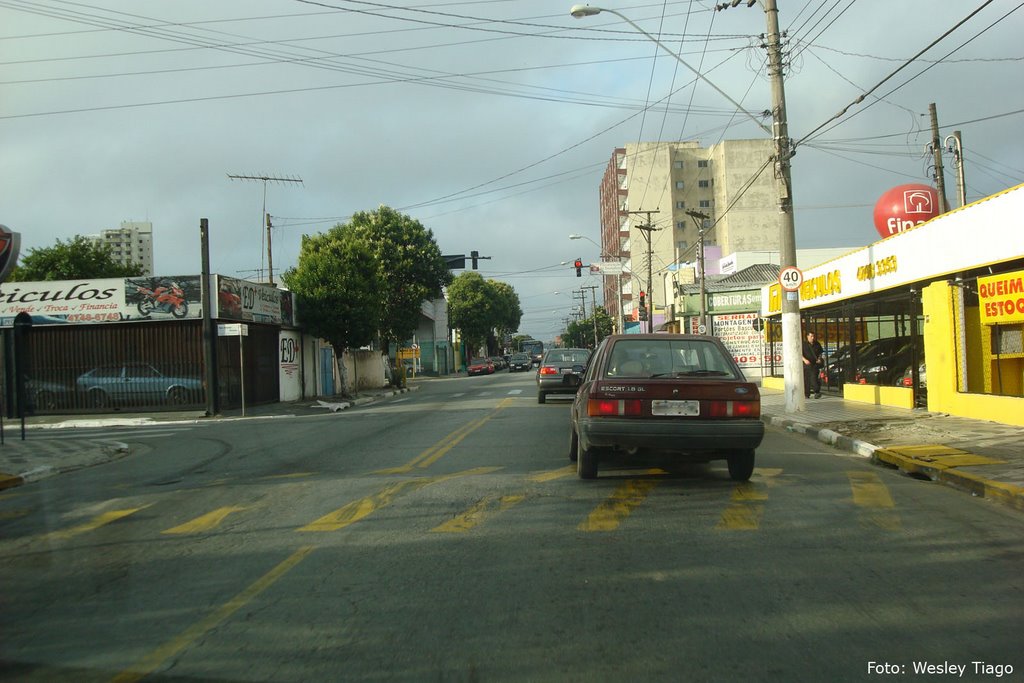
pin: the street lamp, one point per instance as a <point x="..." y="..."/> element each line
<point x="784" y="149"/>
<point x="618" y="279"/>
<point x="580" y="11"/>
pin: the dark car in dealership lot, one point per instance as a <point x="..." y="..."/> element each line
<point x="560" y="371"/>
<point x="480" y="366"/>
<point x="137" y="384"/>
<point x="681" y="396"/>
<point x="519" y="362"/>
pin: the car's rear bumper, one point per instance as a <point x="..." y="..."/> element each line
<point x="558" y="384"/>
<point x="670" y="435"/>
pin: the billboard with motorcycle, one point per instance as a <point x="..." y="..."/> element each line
<point x="102" y="301"/>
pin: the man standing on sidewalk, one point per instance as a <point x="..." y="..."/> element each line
<point x="812" y="359"/>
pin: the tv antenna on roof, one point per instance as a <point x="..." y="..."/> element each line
<point x="266" y="216"/>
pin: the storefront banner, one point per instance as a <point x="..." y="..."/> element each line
<point x="250" y="302"/>
<point x="105" y="300"/>
<point x="1001" y="298"/>
<point x="739" y="334"/>
<point x="966" y="238"/>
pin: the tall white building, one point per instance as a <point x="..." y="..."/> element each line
<point x="131" y="243"/>
<point x="731" y="183"/>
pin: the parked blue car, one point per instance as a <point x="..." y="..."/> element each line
<point x="137" y="384"/>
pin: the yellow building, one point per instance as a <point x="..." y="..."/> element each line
<point x="932" y="316"/>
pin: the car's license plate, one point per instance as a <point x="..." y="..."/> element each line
<point x="675" y="408"/>
<point x="566" y="371"/>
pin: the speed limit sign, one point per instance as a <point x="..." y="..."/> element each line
<point x="791" y="278"/>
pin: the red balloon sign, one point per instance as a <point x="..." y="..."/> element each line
<point x="904" y="207"/>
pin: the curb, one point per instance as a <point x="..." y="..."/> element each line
<point x="1007" y="494"/>
<point x="828" y="436"/>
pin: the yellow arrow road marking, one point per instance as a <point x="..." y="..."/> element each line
<point x="544" y="477"/>
<point x="364" y="507"/>
<point x="190" y="635"/>
<point x="475" y="515"/>
<point x="94" y="523"/>
<point x="203" y="523"/>
<point x="608" y="515"/>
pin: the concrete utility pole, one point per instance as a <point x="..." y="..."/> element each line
<point x="940" y="179"/>
<point x="266" y="217"/>
<point x="792" y="355"/>
<point x="647" y="228"/>
<point x="699" y="219"/>
<point x="593" y="309"/>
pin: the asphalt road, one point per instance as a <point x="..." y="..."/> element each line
<point x="443" y="536"/>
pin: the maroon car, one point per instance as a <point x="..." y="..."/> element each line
<point x="681" y="395"/>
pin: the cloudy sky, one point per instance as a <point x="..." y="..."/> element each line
<point x="491" y="122"/>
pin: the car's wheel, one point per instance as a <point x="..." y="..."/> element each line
<point x="98" y="399"/>
<point x="541" y="397"/>
<point x="46" y="400"/>
<point x="574" y="444"/>
<point x="586" y="462"/>
<point x="741" y="464"/>
<point x="177" y="396"/>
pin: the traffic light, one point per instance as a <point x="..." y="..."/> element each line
<point x="579" y="267"/>
<point x="474" y="255"/>
<point x="643" y="296"/>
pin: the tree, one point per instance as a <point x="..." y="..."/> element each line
<point x="409" y="268"/>
<point x="580" y="333"/>
<point x="79" y="258"/>
<point x="469" y="308"/>
<point x="337" y="294"/>
<point x="482" y="309"/>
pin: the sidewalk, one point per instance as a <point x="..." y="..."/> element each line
<point x="983" y="458"/>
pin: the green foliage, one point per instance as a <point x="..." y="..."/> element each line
<point x="580" y="333"/>
<point x="337" y="294"/>
<point x="409" y="267"/>
<point x="482" y="308"/>
<point x="77" y="259"/>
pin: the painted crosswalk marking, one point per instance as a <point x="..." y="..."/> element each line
<point x="608" y="515"/>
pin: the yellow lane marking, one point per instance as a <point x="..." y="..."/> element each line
<point x="869" y="491"/>
<point x="475" y="515"/>
<point x="94" y="523"/>
<point x="293" y="475"/>
<point x="544" y="477"/>
<point x="608" y="515"/>
<point x="747" y="507"/>
<point x="360" y="509"/>
<point x="438" y="450"/>
<point x="193" y="633"/>
<point x="205" y="522"/>
<point x="746" y="490"/>
<point x="876" y="505"/>
<point x="741" y="517"/>
<point x="13" y="514"/>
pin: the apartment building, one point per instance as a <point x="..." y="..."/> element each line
<point x="656" y="199"/>
<point x="131" y="243"/>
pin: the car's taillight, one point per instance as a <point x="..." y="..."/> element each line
<point x="613" y="407"/>
<point x="734" y="409"/>
<point x="548" y="370"/>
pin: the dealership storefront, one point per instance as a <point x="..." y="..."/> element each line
<point x="137" y="343"/>
<point x="932" y="316"/>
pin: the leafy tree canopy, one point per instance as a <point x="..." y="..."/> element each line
<point x="409" y="267"/>
<point x="337" y="293"/>
<point x="76" y="259"/>
<point x="480" y="308"/>
<point x="580" y="333"/>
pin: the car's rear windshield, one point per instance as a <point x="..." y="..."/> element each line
<point x="575" y="356"/>
<point x="669" y="358"/>
<point x="520" y="356"/>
